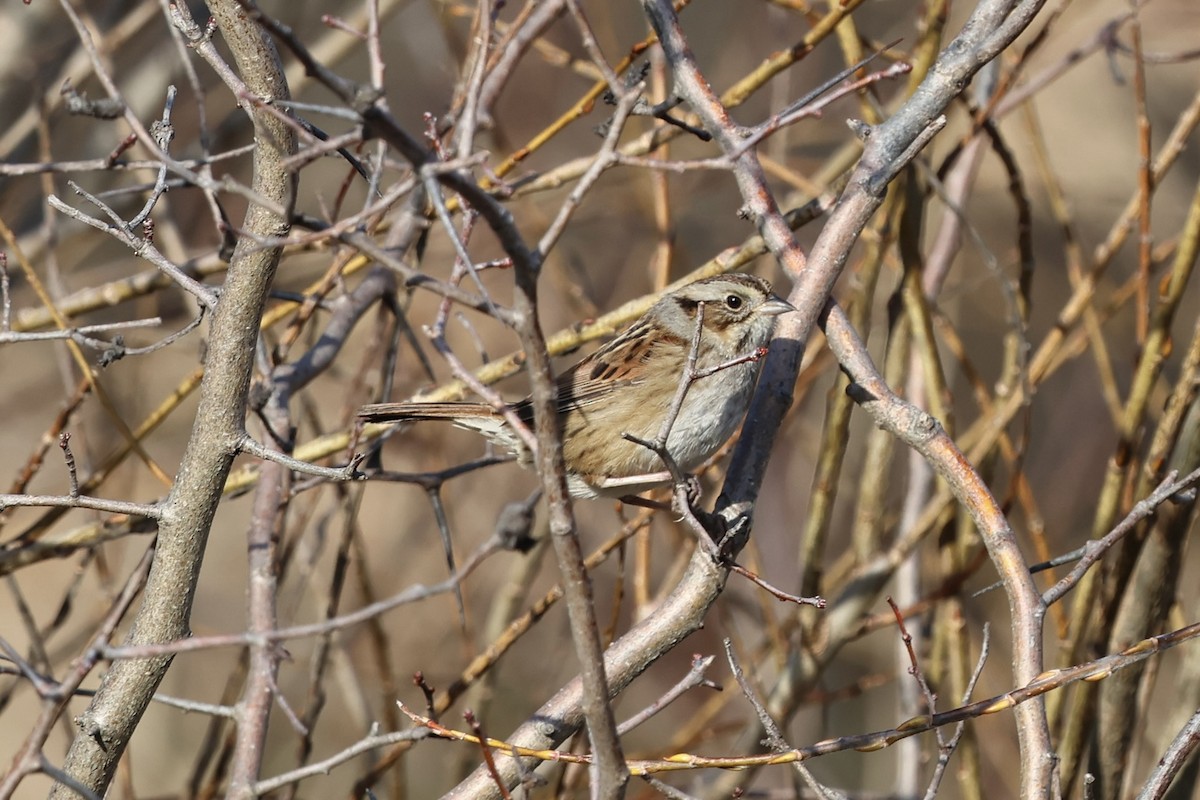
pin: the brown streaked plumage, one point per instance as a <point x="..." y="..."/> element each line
<point x="627" y="386"/>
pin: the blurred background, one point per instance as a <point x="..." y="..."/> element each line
<point x="1073" y="142"/>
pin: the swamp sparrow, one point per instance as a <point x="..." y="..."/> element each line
<point x="629" y="384"/>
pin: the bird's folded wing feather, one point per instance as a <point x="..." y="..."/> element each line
<point x="595" y="378"/>
<point x="590" y="381"/>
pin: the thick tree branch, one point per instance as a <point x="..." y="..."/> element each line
<point x="188" y="510"/>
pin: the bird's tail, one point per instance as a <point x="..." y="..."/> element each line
<point x="392" y="412"/>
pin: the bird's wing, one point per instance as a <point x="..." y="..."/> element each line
<point x="613" y="366"/>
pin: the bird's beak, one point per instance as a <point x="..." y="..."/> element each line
<point x="776" y="306"/>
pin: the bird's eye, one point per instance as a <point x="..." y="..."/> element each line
<point x="734" y="302"/>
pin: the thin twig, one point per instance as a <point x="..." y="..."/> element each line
<point x="695" y="677"/>
<point x="1093" y="550"/>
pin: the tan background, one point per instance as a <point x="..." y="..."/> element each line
<point x="1088" y="120"/>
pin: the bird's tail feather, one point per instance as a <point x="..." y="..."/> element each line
<point x="391" y="412"/>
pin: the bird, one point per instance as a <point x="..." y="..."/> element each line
<point x="627" y="387"/>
